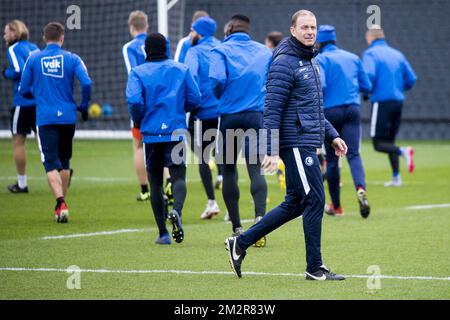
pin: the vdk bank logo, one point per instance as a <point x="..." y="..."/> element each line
<point x="53" y="66"/>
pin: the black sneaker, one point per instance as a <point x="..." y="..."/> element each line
<point x="177" y="228"/>
<point x="233" y="257"/>
<point x="323" y="274"/>
<point x="14" y="188"/>
<point x="364" y="207"/>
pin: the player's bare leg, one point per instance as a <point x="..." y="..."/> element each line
<point x="19" y="154"/>
<point x="55" y="181"/>
<point x="65" y="177"/>
<point x="139" y="165"/>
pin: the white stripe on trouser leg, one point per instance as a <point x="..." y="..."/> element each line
<point x="217" y="137"/>
<point x="145" y="157"/>
<point x="197" y="138"/>
<point x="39" y="144"/>
<point x="373" y="122"/>
<point x="301" y="170"/>
<point x="15" y="119"/>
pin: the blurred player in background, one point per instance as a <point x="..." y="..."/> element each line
<point x="391" y="75"/>
<point x="343" y="78"/>
<point x="293" y="108"/>
<point x="134" y="55"/>
<point x="205" y="116"/>
<point x="49" y="76"/>
<point x="158" y="92"/>
<point x="23" y="112"/>
<point x="272" y="39"/>
<point x="185" y="43"/>
<point x="239" y="84"/>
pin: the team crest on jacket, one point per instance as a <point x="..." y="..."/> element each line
<point x="309" y="161"/>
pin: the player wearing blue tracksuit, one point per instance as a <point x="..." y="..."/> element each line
<point x="343" y="78"/>
<point x="49" y="75"/>
<point x="238" y="73"/>
<point x="158" y="94"/>
<point x="23" y="111"/>
<point x="185" y="43"/>
<point x="204" y="119"/>
<point x="391" y="75"/>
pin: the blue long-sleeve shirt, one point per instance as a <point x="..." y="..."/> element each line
<point x="49" y="76"/>
<point x="342" y="77"/>
<point x="158" y="94"/>
<point x="18" y="54"/>
<point x="238" y="73"/>
<point x="389" y="71"/>
<point x="182" y="48"/>
<point x="198" y="61"/>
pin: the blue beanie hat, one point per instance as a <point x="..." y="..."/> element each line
<point x="326" y="33"/>
<point x="205" y="26"/>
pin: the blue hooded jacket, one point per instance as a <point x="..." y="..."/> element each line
<point x="389" y="71"/>
<point x="18" y="54"/>
<point x="342" y="77"/>
<point x="49" y="76"/>
<point x="158" y="95"/>
<point x="238" y="73"/>
<point x="198" y="61"/>
<point x="294" y="99"/>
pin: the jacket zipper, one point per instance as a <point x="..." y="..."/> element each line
<point x="319" y="89"/>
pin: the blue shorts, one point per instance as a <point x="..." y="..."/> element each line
<point x="55" y="144"/>
<point x="385" y="120"/>
<point x="23" y="120"/>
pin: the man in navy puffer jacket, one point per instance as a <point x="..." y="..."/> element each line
<point x="293" y="107"/>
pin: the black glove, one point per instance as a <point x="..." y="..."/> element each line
<point x="366" y="97"/>
<point x="4" y="72"/>
<point x="137" y="125"/>
<point x="84" y="113"/>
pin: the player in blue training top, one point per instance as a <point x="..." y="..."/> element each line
<point x="49" y="76"/>
<point x="204" y="120"/>
<point x="391" y="75"/>
<point x="23" y="112"/>
<point x="343" y="78"/>
<point x="134" y="55"/>
<point x="238" y="73"/>
<point x="158" y="94"/>
<point x="185" y="43"/>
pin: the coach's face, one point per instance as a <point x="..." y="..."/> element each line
<point x="8" y="36"/>
<point x="305" y="30"/>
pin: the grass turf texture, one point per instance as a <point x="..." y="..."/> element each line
<point x="401" y="242"/>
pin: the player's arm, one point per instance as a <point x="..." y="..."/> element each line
<point x="217" y="73"/>
<point x="26" y="81"/>
<point x="192" y="63"/>
<point x="193" y="96"/>
<point x="82" y="75"/>
<point x="135" y="98"/>
<point x="409" y="75"/>
<point x="365" y="86"/>
<point x="369" y="65"/>
<point x="129" y="58"/>
<point x="16" y="63"/>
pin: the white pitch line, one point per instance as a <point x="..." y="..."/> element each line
<point x="191" y="272"/>
<point x="93" y="234"/>
<point x="429" y="206"/>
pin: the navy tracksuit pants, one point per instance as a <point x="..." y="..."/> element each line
<point x="304" y="197"/>
<point x="346" y="120"/>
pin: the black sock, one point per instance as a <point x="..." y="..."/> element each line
<point x="144" y="188"/>
<point x="59" y="201"/>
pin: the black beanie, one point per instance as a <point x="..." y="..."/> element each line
<point x="155" y="47"/>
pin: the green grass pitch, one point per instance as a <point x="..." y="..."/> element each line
<point x="401" y="241"/>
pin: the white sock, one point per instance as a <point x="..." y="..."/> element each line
<point x="219" y="178"/>
<point x="211" y="203"/>
<point x="22" y="181"/>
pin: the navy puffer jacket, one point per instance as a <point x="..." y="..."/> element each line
<point x="294" y="102"/>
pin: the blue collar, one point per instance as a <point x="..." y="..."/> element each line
<point x="141" y="35"/>
<point x="206" y="39"/>
<point x="53" y="46"/>
<point x="330" y="47"/>
<point x="378" y="42"/>
<point x="239" y="36"/>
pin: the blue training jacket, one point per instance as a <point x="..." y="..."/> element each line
<point x="182" y="49"/>
<point x="342" y="77"/>
<point x="49" y="76"/>
<point x="238" y="72"/>
<point x="158" y="94"/>
<point x="134" y="51"/>
<point x="198" y="61"/>
<point x="389" y="71"/>
<point x="18" y="54"/>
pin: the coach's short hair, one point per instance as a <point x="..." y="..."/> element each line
<point x="300" y="13"/>
<point x="198" y="14"/>
<point x="139" y="20"/>
<point x="53" y="31"/>
<point x="19" y="29"/>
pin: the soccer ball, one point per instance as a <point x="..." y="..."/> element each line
<point x="95" y="110"/>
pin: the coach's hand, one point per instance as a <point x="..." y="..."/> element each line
<point x="270" y="163"/>
<point x="84" y="113"/>
<point x="339" y="146"/>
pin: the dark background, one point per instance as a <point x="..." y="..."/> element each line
<point x="420" y="29"/>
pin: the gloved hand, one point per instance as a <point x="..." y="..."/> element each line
<point x="84" y="113"/>
<point x="136" y="125"/>
<point x="366" y="97"/>
<point x="4" y="72"/>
